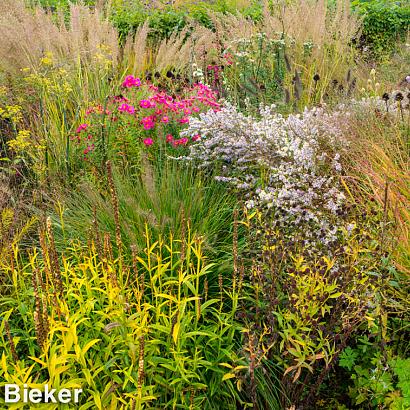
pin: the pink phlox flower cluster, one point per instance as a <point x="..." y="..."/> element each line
<point x="155" y="107"/>
<point x="126" y="108"/>
<point x="81" y="127"/>
<point x="148" y="141"/>
<point x="181" y="141"/>
<point x="131" y="81"/>
<point x="147" y="104"/>
<point x="148" y="122"/>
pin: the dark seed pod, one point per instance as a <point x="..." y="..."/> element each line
<point x="316" y="77"/>
<point x="386" y="96"/>
<point x="399" y="97"/>
<point x="170" y="74"/>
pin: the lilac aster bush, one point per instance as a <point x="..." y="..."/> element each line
<point x="286" y="166"/>
<point x="303" y="236"/>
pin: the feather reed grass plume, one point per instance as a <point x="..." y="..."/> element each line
<point x="313" y="21"/>
<point x="27" y="34"/>
<point x="201" y="44"/>
<point x="321" y="35"/>
<point x="230" y="27"/>
<point x="173" y="52"/>
<point x="136" y="53"/>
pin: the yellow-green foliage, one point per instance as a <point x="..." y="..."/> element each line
<point x="131" y="335"/>
<point x="22" y="146"/>
<point x="308" y="307"/>
<point x="10" y="236"/>
<point x="61" y="93"/>
<point x="316" y="300"/>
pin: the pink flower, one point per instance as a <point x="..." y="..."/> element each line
<point x="187" y="111"/>
<point x="165" y="119"/>
<point x="169" y="138"/>
<point x="126" y="108"/>
<point x="81" y="128"/>
<point x="181" y="141"/>
<point x="148" y="141"/>
<point x="131" y="81"/>
<point x="148" y="123"/>
<point x="195" y="109"/>
<point x="145" y="104"/>
<point x="195" y="137"/>
<point x="184" y="120"/>
<point x="89" y="148"/>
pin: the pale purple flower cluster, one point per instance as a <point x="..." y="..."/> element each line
<point x="279" y="163"/>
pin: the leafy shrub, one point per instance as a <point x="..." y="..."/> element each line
<point x="167" y="19"/>
<point x="384" y="22"/>
<point x="380" y="379"/>
<point x="313" y="255"/>
<point x="143" y="332"/>
<point x="305" y="310"/>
